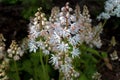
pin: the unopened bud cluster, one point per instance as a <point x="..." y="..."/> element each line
<point x="15" y="51"/>
<point x="3" y="68"/>
<point x="2" y="46"/>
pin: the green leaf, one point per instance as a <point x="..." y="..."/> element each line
<point x="35" y="58"/>
<point x="104" y="55"/>
<point x="82" y="77"/>
<point x="90" y="50"/>
<point x="93" y="51"/>
<point x="27" y="66"/>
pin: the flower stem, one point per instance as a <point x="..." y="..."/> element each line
<point x="43" y="67"/>
<point x="104" y="23"/>
<point x="16" y="69"/>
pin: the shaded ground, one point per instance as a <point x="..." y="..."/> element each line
<point x="109" y="31"/>
<point x="14" y="26"/>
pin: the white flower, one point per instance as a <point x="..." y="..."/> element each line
<point x="33" y="32"/>
<point x="75" y="52"/>
<point x="55" y="38"/>
<point x="117" y="11"/>
<point x="77" y="38"/>
<point x="108" y="7"/>
<point x="33" y="46"/>
<point x="104" y="15"/>
<point x="74" y="40"/>
<point x="46" y="52"/>
<point x="62" y="47"/>
<point x="66" y="68"/>
<point x="73" y="18"/>
<point x="114" y="2"/>
<point x="63" y="9"/>
<point x="16" y="57"/>
<point x="35" y="22"/>
<point x="74" y="28"/>
<point x="64" y="33"/>
<point x="54" y="60"/>
<point x="62" y="20"/>
<point x="19" y="51"/>
<point x="40" y="44"/>
<point x="68" y="60"/>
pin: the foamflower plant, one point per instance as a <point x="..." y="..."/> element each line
<point x="61" y="36"/>
<point x="66" y="41"/>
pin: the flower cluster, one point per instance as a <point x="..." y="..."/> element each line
<point x="3" y="67"/>
<point x="36" y="31"/>
<point x="62" y="36"/>
<point x="15" y="51"/>
<point x="112" y="8"/>
<point x="2" y="46"/>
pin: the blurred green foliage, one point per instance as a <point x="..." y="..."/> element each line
<point x="29" y="67"/>
<point x="31" y="6"/>
<point x="9" y="1"/>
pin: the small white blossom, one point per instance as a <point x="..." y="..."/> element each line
<point x="66" y="68"/>
<point x="16" y="57"/>
<point x="19" y="51"/>
<point x="54" y="60"/>
<point x="68" y="60"/>
<point x="62" y="20"/>
<point x="55" y="38"/>
<point x="74" y="28"/>
<point x="109" y="7"/>
<point x="117" y="11"/>
<point x="62" y="47"/>
<point x="72" y="41"/>
<point x="33" y="46"/>
<point x="104" y="15"/>
<point x="73" y="18"/>
<point x="75" y="52"/>
<point x="40" y="44"/>
<point x="33" y="32"/>
<point x="77" y="38"/>
<point x="46" y="52"/>
<point x="64" y="33"/>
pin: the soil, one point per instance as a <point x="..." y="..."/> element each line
<point x="14" y="26"/>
